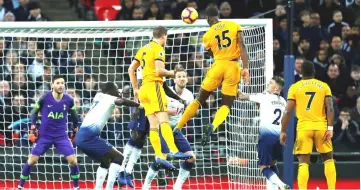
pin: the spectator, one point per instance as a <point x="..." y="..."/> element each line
<point x="347" y="133"/>
<point x="336" y="46"/>
<point x="90" y="89"/>
<point x="2" y="52"/>
<point x="355" y="113"/>
<point x="303" y="50"/>
<point x="334" y="80"/>
<point x="278" y="57"/>
<point x="18" y="111"/>
<point x="281" y="32"/>
<point x="298" y="65"/>
<point x="314" y="32"/>
<point x="137" y="14"/>
<point x="36" y="69"/>
<point x="6" y="69"/>
<point x="20" y="85"/>
<point x="127" y="10"/>
<point x="22" y="12"/>
<point x="154" y="12"/>
<point x="18" y="68"/>
<point x="3" y="11"/>
<point x="279" y="13"/>
<point x="326" y="11"/>
<point x="354" y="76"/>
<point x="324" y="45"/>
<point x="60" y="52"/>
<point x="29" y="53"/>
<point x="345" y="32"/>
<point x="335" y="28"/>
<point x="45" y="83"/>
<point x="296" y="39"/>
<point x="168" y="16"/>
<point x="4" y="95"/>
<point x="9" y="17"/>
<point x="321" y="64"/>
<point x="225" y="10"/>
<point x="352" y="13"/>
<point x="35" y="12"/>
<point x="349" y="98"/>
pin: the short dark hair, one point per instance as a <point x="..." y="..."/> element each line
<point x="279" y="80"/>
<point x="179" y="69"/>
<point x="159" y="32"/>
<point x="307" y="69"/>
<point x="336" y="11"/>
<point x="212" y="11"/>
<point x="355" y="68"/>
<point x="108" y="86"/>
<point x="57" y="77"/>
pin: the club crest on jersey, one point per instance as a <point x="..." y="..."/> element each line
<point x="161" y="54"/>
<point x="64" y="107"/>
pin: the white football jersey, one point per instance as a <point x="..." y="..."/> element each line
<point x="100" y="111"/>
<point x="271" y="109"/>
<point x="176" y="105"/>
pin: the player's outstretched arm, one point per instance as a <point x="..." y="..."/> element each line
<point x="286" y="119"/>
<point x="161" y="71"/>
<point x="126" y="102"/>
<point x="131" y="72"/>
<point x="170" y="93"/>
<point x="242" y="96"/>
<point x="244" y="54"/>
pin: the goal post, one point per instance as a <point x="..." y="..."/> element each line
<point x="88" y="54"/>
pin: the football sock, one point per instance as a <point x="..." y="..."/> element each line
<point x="330" y="173"/>
<point x="114" y="169"/>
<point x="151" y="174"/>
<point x="190" y="112"/>
<point x="74" y="173"/>
<point x="183" y="175"/>
<point x="133" y="159"/>
<point x="220" y="116"/>
<point x="270" y="185"/>
<point x="168" y="137"/>
<point x="155" y="141"/>
<point x="303" y="175"/>
<point x="128" y="149"/>
<point x="272" y="177"/>
<point x="25" y="174"/>
<point x="101" y="175"/>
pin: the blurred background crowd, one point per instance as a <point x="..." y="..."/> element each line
<point x="327" y="33"/>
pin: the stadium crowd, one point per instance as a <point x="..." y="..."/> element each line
<point x="326" y="33"/>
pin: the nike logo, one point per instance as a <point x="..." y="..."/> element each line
<point x="50" y="106"/>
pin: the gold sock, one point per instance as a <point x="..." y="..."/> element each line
<point x="303" y="175"/>
<point x="220" y="116"/>
<point x="190" y="112"/>
<point x="330" y="173"/>
<point x="167" y="134"/>
<point x="155" y="141"/>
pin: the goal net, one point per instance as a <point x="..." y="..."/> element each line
<point x="88" y="54"/>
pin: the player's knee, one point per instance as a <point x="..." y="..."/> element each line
<point x="326" y="156"/>
<point x="304" y="158"/>
<point x="227" y="100"/>
<point x="32" y="159"/>
<point x="274" y="162"/>
<point x="193" y="159"/>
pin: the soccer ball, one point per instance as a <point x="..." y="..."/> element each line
<point x="189" y="15"/>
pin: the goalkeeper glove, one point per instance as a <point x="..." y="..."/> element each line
<point x="33" y="134"/>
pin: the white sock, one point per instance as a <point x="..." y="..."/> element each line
<point x="133" y="159"/>
<point x="128" y="149"/>
<point x="270" y="185"/>
<point x="275" y="180"/>
<point x="182" y="177"/>
<point x="114" y="169"/>
<point x="101" y="175"/>
<point x="151" y="174"/>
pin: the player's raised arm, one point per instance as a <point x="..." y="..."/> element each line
<point x="160" y="37"/>
<point x="37" y="107"/>
<point x="131" y="72"/>
<point x="244" y="56"/>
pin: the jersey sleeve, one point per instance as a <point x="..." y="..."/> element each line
<point x="206" y="41"/>
<point x="257" y="97"/>
<point x="39" y="103"/>
<point x="72" y="104"/>
<point x="139" y="55"/>
<point x="291" y="93"/>
<point x="159" y="54"/>
<point x="238" y="27"/>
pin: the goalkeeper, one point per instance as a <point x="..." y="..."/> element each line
<point x="223" y="41"/>
<point x="175" y="110"/>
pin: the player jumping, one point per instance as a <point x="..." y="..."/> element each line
<point x="223" y="41"/>
<point x="175" y="111"/>
<point x="54" y="107"/>
<point x="312" y="100"/>
<point x="87" y="138"/>
<point x="139" y="127"/>
<point x="269" y="148"/>
<point x="151" y="58"/>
